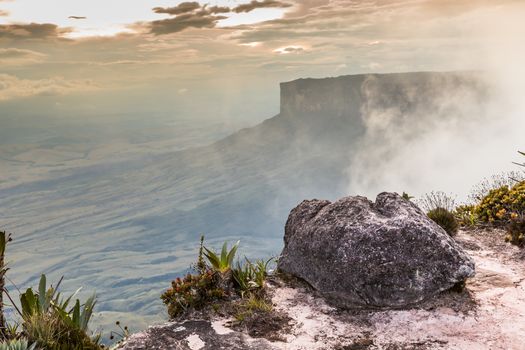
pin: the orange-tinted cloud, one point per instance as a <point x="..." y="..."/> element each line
<point x="255" y="4"/>
<point x="31" y="31"/>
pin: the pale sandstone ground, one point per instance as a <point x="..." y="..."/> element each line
<point x="490" y="314"/>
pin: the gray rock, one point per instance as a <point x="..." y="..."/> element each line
<point x="357" y="253"/>
<point x="192" y="335"/>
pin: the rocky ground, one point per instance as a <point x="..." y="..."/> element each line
<point x="488" y="314"/>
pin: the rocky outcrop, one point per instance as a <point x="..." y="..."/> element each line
<point x="358" y="253"/>
<point x="488" y="315"/>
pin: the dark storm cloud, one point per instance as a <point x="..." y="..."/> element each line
<point x="254" y="4"/>
<point x="30" y="31"/>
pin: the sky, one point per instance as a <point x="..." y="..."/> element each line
<point x="87" y="57"/>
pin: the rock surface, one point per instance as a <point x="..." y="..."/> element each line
<point x="357" y="253"/>
<point x="193" y="335"/>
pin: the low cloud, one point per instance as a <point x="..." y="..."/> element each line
<point x="14" y="56"/>
<point x="289" y="49"/>
<point x="12" y="87"/>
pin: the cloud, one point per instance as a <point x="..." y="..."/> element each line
<point x="12" y="87"/>
<point x="193" y="15"/>
<point x="77" y="17"/>
<point x="218" y="9"/>
<point x="4" y="13"/>
<point x="14" y="56"/>
<point x="255" y="4"/>
<point x="183" y="7"/>
<point x="184" y="21"/>
<point x="187" y="15"/>
<point x="289" y="49"/>
<point x="31" y="31"/>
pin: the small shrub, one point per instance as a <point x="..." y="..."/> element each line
<point x="504" y="179"/>
<point x="465" y="215"/>
<point x="216" y="282"/>
<point x="500" y="204"/>
<point x="192" y="291"/>
<point x="516" y="230"/>
<point x="445" y="219"/>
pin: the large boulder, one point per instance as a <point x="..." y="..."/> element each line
<point x="357" y="253"/>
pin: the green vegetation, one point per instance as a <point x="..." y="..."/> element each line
<point x="221" y="263"/>
<point x="498" y="202"/>
<point x="505" y="207"/>
<point x="250" y="306"/>
<point x="48" y="320"/>
<point x="17" y="344"/>
<point x="192" y="292"/>
<point x="465" y="215"/>
<point x="439" y="207"/>
<point x="406" y="196"/>
<point x="251" y="277"/>
<point x="446" y="219"/>
<point x="220" y="286"/>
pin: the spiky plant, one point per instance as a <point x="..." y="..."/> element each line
<point x="221" y="263"/>
<point x="49" y="320"/>
<point x="19" y="344"/>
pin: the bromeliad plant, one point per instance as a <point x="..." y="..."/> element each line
<point x="221" y="263"/>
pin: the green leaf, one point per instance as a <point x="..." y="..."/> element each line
<point x="231" y="254"/>
<point x="224" y="253"/>
<point x="76" y="313"/>
<point x="212" y="258"/>
<point x="42" y="293"/>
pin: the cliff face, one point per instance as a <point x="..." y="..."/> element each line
<point x="347" y="95"/>
<point x="335" y="96"/>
